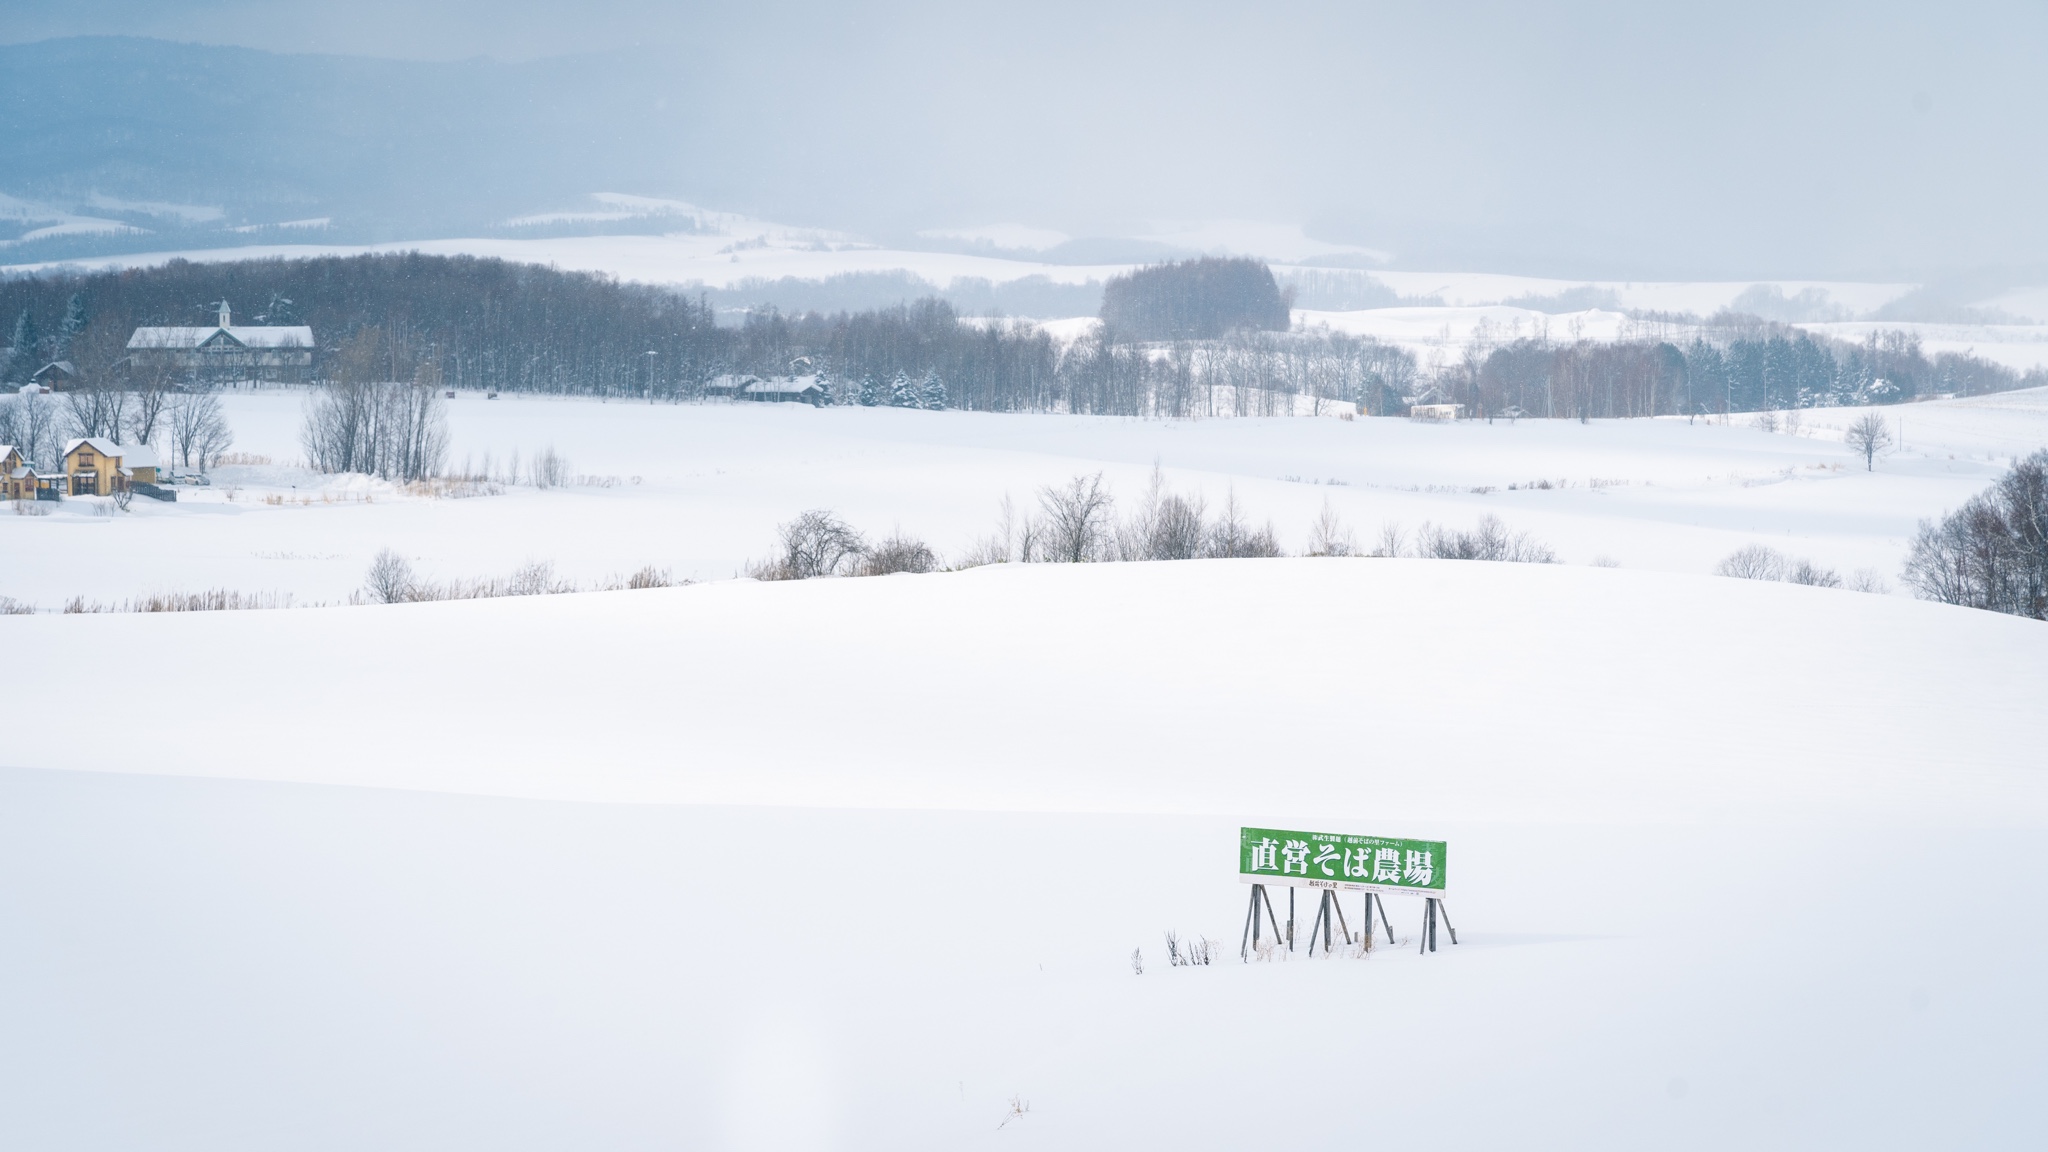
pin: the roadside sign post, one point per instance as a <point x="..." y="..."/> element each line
<point x="1340" y="862"/>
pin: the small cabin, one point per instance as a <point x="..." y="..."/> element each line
<point x="797" y="389"/>
<point x="56" y="376"/>
<point x="1436" y="411"/>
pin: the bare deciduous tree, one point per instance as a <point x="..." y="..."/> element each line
<point x="1489" y="540"/>
<point x="1232" y="535"/>
<point x="1166" y="526"/>
<point x="1077" y="520"/>
<point x="391" y="579"/>
<point x="96" y="409"/>
<point x="1753" y="562"/>
<point x="29" y="422"/>
<point x="199" y="429"/>
<point x="150" y="406"/>
<point x="395" y="430"/>
<point x="814" y="544"/>
<point x="1759" y="562"/>
<point x="1868" y="436"/>
<point x="1390" y="542"/>
<point x="1329" y="536"/>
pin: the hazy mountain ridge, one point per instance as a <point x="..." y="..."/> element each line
<point x="383" y="148"/>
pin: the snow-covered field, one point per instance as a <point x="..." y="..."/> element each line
<point x="855" y="864"/>
<point x="699" y="488"/>
<point x="860" y="864"/>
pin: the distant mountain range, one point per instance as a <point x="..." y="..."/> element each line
<point x="116" y="145"/>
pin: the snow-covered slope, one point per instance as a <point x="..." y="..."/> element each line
<point x="699" y="489"/>
<point x="861" y="865"/>
<point x="1415" y="689"/>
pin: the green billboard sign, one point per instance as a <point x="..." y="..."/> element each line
<point x="1335" y="860"/>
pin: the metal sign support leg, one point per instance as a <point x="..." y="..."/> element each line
<point x="1372" y="898"/>
<point x="1432" y="911"/>
<point x="1251" y="927"/>
<point x="1250" y="942"/>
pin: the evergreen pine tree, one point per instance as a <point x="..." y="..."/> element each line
<point x="279" y="311"/>
<point x="869" y="394"/>
<point x="25" y="343"/>
<point x="74" y="323"/>
<point x="933" y="391"/>
<point x="901" y="393"/>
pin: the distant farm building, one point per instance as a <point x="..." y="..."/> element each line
<point x="56" y="376"/>
<point x="226" y="351"/>
<point x="800" y="389"/>
<point x="1436" y="411"/>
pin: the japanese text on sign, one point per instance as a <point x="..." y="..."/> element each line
<point x="1335" y="860"/>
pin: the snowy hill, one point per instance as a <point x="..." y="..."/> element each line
<point x="860" y="864"/>
<point x="699" y="488"/>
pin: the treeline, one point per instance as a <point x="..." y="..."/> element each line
<point x="473" y="323"/>
<point x="1199" y="299"/>
<point x="1744" y="367"/>
<point x="1221" y="345"/>
<point x="1991" y="553"/>
<point x="891" y="356"/>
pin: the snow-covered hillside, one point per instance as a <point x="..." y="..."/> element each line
<point x="699" y="489"/>
<point x="861" y="864"/>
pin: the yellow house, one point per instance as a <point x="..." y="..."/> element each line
<point x="92" y="467"/>
<point x="17" y="479"/>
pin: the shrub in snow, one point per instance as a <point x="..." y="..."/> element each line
<point x="1757" y="562"/>
<point x="650" y="577"/>
<point x="390" y="580"/>
<point x="1233" y="536"/>
<point x="1489" y="540"/>
<point x="1754" y="562"/>
<point x="816" y="543"/>
<point x="899" y="553"/>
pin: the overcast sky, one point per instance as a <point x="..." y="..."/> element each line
<point x="1585" y="138"/>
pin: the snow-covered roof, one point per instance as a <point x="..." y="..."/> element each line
<point x="22" y="473"/>
<point x="99" y="444"/>
<point x="6" y="449"/>
<point x="64" y="366"/>
<point x="130" y="455"/>
<point x="249" y="336"/>
<point x="784" y="384"/>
